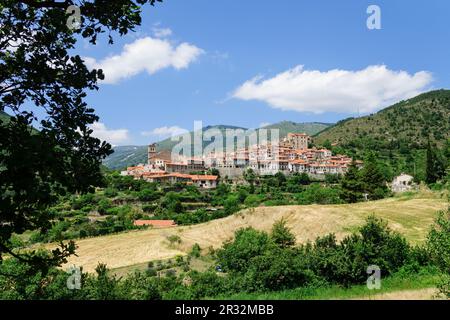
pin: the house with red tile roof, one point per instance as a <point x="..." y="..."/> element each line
<point x="155" y="223"/>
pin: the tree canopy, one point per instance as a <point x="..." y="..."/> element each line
<point x="40" y="75"/>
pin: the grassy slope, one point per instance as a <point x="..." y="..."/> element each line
<point x="411" y="120"/>
<point x="411" y="216"/>
<point x="412" y="287"/>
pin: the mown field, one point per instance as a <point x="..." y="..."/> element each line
<point x="411" y="215"/>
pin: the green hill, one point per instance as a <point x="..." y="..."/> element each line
<point x="310" y="128"/>
<point x="124" y="156"/>
<point x="408" y="124"/>
<point x="398" y="134"/>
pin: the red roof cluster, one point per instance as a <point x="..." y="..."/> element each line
<point x="155" y="223"/>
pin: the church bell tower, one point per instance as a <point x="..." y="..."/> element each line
<point x="151" y="152"/>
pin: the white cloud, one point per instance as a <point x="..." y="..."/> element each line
<point x="264" y="124"/>
<point x="145" y="54"/>
<point x="164" y="132"/>
<point x="336" y="90"/>
<point x="114" y="137"/>
<point x="161" y="32"/>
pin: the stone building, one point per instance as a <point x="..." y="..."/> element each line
<point x="402" y="183"/>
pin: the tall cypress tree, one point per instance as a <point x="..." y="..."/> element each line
<point x="351" y="185"/>
<point x="435" y="164"/>
<point x="373" y="179"/>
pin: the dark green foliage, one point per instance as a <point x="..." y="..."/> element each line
<point x="148" y="195"/>
<point x="281" y="235"/>
<point x="195" y="251"/>
<point x="315" y="193"/>
<point x="351" y="185"/>
<point x="296" y="181"/>
<point x="438" y="244"/>
<point x="250" y="177"/>
<point x="253" y="262"/>
<point x="111" y="192"/>
<point x="436" y="165"/>
<point x="438" y="241"/>
<point x="40" y="75"/>
<point x="398" y="135"/>
<point x="265" y="262"/>
<point x="231" y="204"/>
<point x="373" y="179"/>
<point x="252" y="200"/>
<point x="248" y="243"/>
<point x="104" y="205"/>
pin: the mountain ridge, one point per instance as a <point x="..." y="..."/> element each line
<point x="409" y="122"/>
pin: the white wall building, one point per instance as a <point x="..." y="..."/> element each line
<point x="402" y="183"/>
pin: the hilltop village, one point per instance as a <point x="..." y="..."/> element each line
<point x="292" y="155"/>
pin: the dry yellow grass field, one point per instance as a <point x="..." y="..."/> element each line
<point x="410" y="216"/>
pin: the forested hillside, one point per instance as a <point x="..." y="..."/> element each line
<point x="398" y="135"/>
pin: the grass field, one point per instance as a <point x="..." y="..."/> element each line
<point x="411" y="287"/>
<point x="410" y="215"/>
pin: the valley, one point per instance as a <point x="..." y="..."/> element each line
<point x="411" y="216"/>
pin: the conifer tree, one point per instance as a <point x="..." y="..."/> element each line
<point x="373" y="179"/>
<point x="352" y="187"/>
<point x="435" y="169"/>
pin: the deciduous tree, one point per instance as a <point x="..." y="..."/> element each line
<point x="39" y="74"/>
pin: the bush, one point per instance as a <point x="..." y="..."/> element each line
<point x="195" y="251"/>
<point x="438" y="244"/>
<point x="252" y="200"/>
<point x="315" y="193"/>
<point x="103" y="206"/>
<point x="231" y="204"/>
<point x="148" y="195"/>
<point x="111" y="192"/>
<point x="281" y="234"/>
<point x="173" y="239"/>
<point x="205" y="284"/>
<point x="248" y="243"/>
<point x="346" y="263"/>
<point x="149" y="208"/>
<point x="276" y="269"/>
<point x="438" y="241"/>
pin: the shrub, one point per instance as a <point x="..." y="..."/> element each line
<point x="110" y="192"/>
<point x="173" y="239"/>
<point x="315" y="193"/>
<point x="148" y="195"/>
<point x="205" y="284"/>
<point x="281" y="234"/>
<point x="195" y="251"/>
<point x="438" y="244"/>
<point x="103" y="206"/>
<point x="231" y="204"/>
<point x="252" y="200"/>
<point x="248" y="243"/>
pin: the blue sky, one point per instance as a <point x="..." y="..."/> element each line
<point x="217" y="49"/>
